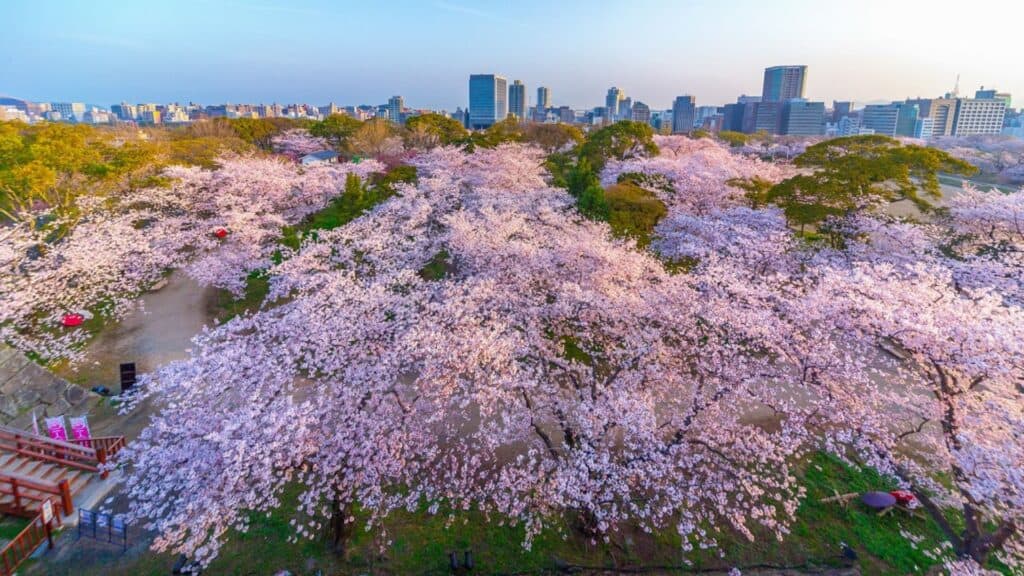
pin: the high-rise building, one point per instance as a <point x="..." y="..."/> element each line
<point x="611" y="103"/>
<point x="766" y="117"/>
<point x="702" y="113"/>
<point x="683" y="110"/>
<point x="882" y="118"/>
<point x="73" y="111"/>
<point x="124" y="111"/>
<point x="990" y="94"/>
<point x="395" y="106"/>
<point x="906" y="121"/>
<point x="975" y="116"/>
<point x="625" y="109"/>
<point x="802" y="118"/>
<point x="734" y="113"/>
<point x="488" y="100"/>
<point x="840" y="110"/>
<point x="543" y="98"/>
<point x="641" y="113"/>
<point x="924" y="129"/>
<point x="942" y="111"/>
<point x="517" y="100"/>
<point x="783" y="83"/>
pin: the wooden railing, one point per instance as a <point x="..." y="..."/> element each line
<point x="25" y="543"/>
<point x="28" y="494"/>
<point x="87" y="455"/>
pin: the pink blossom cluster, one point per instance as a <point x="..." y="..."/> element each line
<point x="1001" y="156"/>
<point x="699" y="171"/>
<point x="545" y="369"/>
<point x="117" y="247"/>
<point x="297" y="143"/>
<point x="370" y="377"/>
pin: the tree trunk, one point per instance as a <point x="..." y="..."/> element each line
<point x="338" y="530"/>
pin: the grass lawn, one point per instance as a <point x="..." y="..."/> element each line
<point x="420" y="543"/>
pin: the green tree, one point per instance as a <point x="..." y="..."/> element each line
<point x="734" y="139"/>
<point x="757" y="189"/>
<point x="859" y="173"/>
<point x="619" y="141"/>
<point x="428" y="130"/>
<point x="633" y="212"/>
<point x="508" y="130"/>
<point x="256" y="131"/>
<point x="552" y="137"/>
<point x="336" y="128"/>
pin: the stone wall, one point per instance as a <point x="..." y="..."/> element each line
<point x="24" y="386"/>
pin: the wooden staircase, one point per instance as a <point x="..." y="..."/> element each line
<point x="35" y="468"/>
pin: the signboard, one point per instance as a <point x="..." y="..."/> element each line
<point x="80" y="430"/>
<point x="55" y="427"/>
<point x="47" y="511"/>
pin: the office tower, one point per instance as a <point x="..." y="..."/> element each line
<point x="69" y="110"/>
<point x="766" y="117"/>
<point x="641" y="113"/>
<point x="625" y="109"/>
<point x="882" y="118"/>
<point x="734" y="113"/>
<point x="974" y="116"/>
<point x="802" y="118"/>
<point x="990" y="94"/>
<point x="849" y="126"/>
<point x="783" y="83"/>
<point x="840" y="110"/>
<point x="517" y="100"/>
<point x="543" y="98"/>
<point x="942" y="111"/>
<point x="906" y="121"/>
<point x="395" y="106"/>
<point x="702" y="113"/>
<point x="682" y="114"/>
<point x="924" y="129"/>
<point x="488" y="100"/>
<point x="611" y="102"/>
<point x="124" y="111"/>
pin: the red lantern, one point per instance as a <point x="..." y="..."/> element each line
<point x="221" y="233"/>
<point x="72" y="320"/>
<point x="903" y="497"/>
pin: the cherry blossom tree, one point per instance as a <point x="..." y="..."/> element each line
<point x="554" y="371"/>
<point x="115" y="248"/>
<point x="297" y="143"/>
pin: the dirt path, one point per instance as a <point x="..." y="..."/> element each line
<point x="158" y="332"/>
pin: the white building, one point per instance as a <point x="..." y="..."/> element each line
<point x="974" y="116"/>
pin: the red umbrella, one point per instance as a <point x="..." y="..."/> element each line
<point x="221" y="233"/>
<point x="72" y="320"/>
<point x="903" y="497"/>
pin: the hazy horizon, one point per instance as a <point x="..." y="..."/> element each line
<point x="318" y="52"/>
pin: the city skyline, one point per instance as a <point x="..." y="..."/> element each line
<point x="123" y="55"/>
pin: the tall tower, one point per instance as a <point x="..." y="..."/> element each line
<point x="611" y="102"/>
<point x="682" y="114"/>
<point x="395" y="106"/>
<point x="783" y="83"/>
<point x="517" y="100"/>
<point x="543" y="98"/>
<point x="488" y="100"/>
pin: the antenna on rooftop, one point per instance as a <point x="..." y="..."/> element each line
<point x="956" y="87"/>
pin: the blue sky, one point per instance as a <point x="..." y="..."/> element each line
<point x="318" y="51"/>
